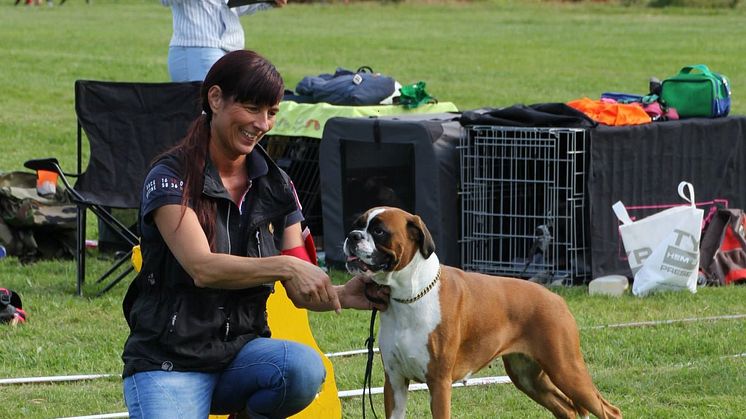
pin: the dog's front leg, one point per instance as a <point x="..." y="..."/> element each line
<point x="395" y="388"/>
<point x="440" y="398"/>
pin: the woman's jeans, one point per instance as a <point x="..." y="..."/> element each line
<point x="191" y="63"/>
<point x="269" y="378"/>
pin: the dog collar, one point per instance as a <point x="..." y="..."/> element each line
<point x="421" y="293"/>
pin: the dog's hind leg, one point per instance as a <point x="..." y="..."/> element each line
<point x="528" y="377"/>
<point x="395" y="392"/>
<point x="568" y="372"/>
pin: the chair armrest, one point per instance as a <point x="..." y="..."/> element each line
<point x="51" y="164"/>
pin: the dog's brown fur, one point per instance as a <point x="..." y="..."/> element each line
<point x="484" y="317"/>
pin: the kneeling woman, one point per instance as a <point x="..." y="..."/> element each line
<point x="220" y="224"/>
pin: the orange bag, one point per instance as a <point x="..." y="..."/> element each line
<point x="610" y="113"/>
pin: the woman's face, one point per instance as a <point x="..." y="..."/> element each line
<point x="237" y="127"/>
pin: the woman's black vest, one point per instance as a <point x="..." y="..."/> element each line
<point x="175" y="325"/>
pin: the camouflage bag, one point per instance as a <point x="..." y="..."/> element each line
<point x="32" y="226"/>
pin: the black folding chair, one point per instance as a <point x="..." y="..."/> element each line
<point x="127" y="125"/>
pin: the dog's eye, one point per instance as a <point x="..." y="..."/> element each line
<point x="377" y="232"/>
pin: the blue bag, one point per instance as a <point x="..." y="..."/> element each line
<point x="344" y="87"/>
<point x="622" y="97"/>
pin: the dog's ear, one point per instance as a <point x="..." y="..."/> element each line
<point x="421" y="235"/>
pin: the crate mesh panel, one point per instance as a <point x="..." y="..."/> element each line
<point x="523" y="202"/>
<point x="299" y="157"/>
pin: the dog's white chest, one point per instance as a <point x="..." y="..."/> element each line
<point x="404" y="333"/>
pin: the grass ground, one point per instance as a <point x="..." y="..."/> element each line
<point x="486" y="53"/>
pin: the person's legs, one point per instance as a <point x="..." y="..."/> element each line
<point x="191" y="63"/>
<point x="177" y="68"/>
<point x="271" y="378"/>
<point x="201" y="60"/>
<point x="169" y="394"/>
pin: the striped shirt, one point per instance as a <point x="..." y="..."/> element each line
<point x="209" y="23"/>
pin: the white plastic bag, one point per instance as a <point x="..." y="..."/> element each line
<point x="663" y="249"/>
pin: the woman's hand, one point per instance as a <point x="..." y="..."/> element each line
<point x="310" y="287"/>
<point x="362" y="293"/>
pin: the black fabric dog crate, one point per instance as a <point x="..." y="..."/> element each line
<point x="410" y="162"/>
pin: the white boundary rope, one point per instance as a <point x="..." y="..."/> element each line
<point x="603" y="326"/>
<point x="28" y="380"/>
<point x="660" y="322"/>
<point x="55" y="378"/>
<point x="101" y="416"/>
<point x="350" y="393"/>
<point x="504" y="379"/>
<point x="349" y="353"/>
<point x="378" y="390"/>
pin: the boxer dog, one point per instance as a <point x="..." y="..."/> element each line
<point x="443" y="324"/>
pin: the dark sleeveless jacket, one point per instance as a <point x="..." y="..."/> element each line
<point x="175" y="325"/>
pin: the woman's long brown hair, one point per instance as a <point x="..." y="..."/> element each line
<point x="245" y="77"/>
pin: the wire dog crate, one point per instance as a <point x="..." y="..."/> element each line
<point x="523" y="203"/>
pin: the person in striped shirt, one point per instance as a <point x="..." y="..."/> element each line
<point x="204" y="31"/>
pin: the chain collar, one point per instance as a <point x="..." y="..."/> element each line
<point x="422" y="293"/>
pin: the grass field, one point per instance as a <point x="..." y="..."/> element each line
<point x="485" y="53"/>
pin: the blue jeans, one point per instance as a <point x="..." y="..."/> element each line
<point x="191" y="63"/>
<point x="270" y="378"/>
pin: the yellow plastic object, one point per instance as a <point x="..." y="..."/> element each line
<point x="136" y="258"/>
<point x="289" y="322"/>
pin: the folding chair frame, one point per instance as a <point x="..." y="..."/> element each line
<point x="52" y="165"/>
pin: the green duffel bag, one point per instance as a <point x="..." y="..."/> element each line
<point x="697" y="92"/>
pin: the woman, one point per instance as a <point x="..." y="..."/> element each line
<point x="219" y="223"/>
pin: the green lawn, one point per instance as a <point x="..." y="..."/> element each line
<point x="484" y="53"/>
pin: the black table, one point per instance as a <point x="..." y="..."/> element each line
<point x="643" y="165"/>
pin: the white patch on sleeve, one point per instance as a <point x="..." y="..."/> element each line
<point x="163" y="183"/>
